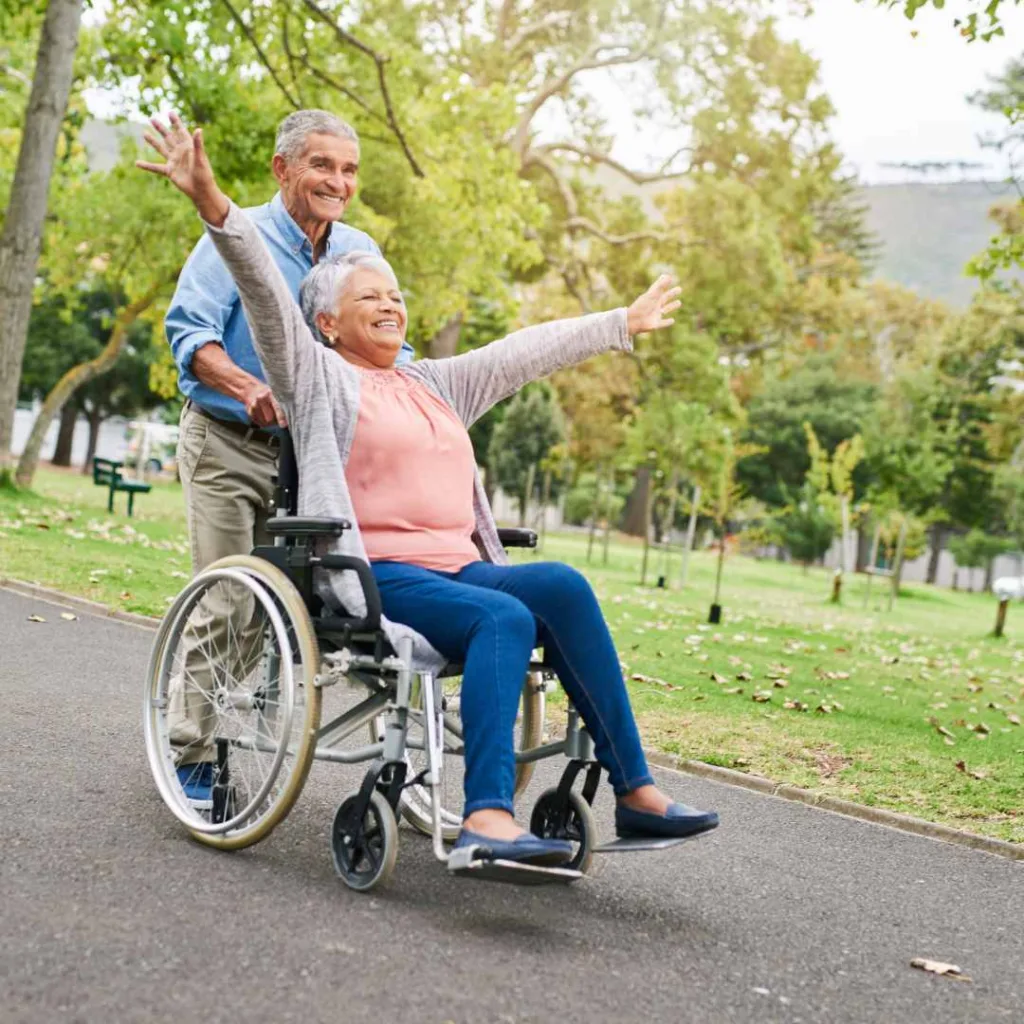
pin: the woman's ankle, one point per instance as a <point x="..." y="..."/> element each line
<point x="493" y="822"/>
<point x="645" y="798"/>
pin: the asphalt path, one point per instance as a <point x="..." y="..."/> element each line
<point x="108" y="912"/>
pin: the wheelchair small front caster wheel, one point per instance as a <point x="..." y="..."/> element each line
<point x="551" y="819"/>
<point x="365" y="851"/>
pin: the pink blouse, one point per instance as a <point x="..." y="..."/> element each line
<point x="410" y="473"/>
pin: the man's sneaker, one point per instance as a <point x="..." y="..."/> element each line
<point x="197" y="784"/>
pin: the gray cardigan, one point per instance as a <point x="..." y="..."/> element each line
<point x="319" y="392"/>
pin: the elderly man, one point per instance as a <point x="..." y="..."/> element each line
<point x="228" y="449"/>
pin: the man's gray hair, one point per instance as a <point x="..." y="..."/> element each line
<point x="321" y="287"/>
<point x="293" y="131"/>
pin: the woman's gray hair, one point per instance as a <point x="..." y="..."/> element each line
<point x="293" y="131"/>
<point x="321" y="287"/>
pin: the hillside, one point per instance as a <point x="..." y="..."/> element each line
<point x="927" y="233"/>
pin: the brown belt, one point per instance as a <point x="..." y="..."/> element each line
<point x="245" y="431"/>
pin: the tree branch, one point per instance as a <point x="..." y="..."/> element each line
<point x="596" y="156"/>
<point x="333" y="83"/>
<point x="568" y="198"/>
<point x="553" y="19"/>
<point x="380" y="61"/>
<point x="286" y="43"/>
<point x="584" y="224"/>
<point x="591" y="62"/>
<point x="247" y="32"/>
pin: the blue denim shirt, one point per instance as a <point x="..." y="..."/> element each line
<point x="206" y="306"/>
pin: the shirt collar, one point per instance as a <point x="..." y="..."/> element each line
<point x="293" y="234"/>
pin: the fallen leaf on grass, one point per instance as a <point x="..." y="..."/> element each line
<point x="717" y="678"/>
<point x="733" y="689"/>
<point x="36" y="618"/>
<point x="795" y="705"/>
<point x="1013" y="719"/>
<point x="939" y="968"/>
<point x="68" y="617"/>
<point x="780" y="683"/>
<point x="744" y="677"/>
<point x="762" y="696"/>
<point x="976" y="774"/>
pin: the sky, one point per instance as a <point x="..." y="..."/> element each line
<point x="901" y="97"/>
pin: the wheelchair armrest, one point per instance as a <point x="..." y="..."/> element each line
<point x="306" y="526"/>
<point x="511" y="537"/>
<point x="371" y="620"/>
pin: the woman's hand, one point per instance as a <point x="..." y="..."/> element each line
<point x="187" y="168"/>
<point x="650" y="311"/>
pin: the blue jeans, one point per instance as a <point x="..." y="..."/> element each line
<point x="490" y="618"/>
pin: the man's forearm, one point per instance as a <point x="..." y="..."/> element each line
<point x="212" y="366"/>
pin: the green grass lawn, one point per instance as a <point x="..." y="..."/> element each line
<point x="839" y="699"/>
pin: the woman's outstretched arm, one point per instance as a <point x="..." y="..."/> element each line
<point x="281" y="338"/>
<point x="479" y="379"/>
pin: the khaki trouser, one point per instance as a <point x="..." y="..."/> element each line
<point x="228" y="488"/>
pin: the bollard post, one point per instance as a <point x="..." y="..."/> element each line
<point x="1001" y="617"/>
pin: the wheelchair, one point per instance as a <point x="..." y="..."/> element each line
<point x="252" y="645"/>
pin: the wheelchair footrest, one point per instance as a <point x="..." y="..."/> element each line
<point x="464" y="863"/>
<point x="640" y="845"/>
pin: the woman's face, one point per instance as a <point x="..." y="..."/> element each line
<point x="370" y="319"/>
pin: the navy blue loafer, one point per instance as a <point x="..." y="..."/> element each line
<point x="527" y="849"/>
<point x="678" y="822"/>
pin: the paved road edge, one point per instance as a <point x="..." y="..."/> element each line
<point x="757" y="783"/>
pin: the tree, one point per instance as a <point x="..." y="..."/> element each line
<point x="62" y="337"/>
<point x="129" y="231"/>
<point x="816" y="392"/>
<point x="979" y="550"/>
<point x="805" y="527"/>
<point x="531" y="427"/>
<point x="442" y="196"/>
<point x="26" y="209"/>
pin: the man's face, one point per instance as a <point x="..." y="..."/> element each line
<point x="319" y="183"/>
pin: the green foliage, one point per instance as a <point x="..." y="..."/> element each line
<point x="805" y="527"/>
<point x="1009" y="492"/>
<point x="531" y="427"/>
<point x="815" y="392"/>
<point x="62" y="335"/>
<point x="582" y="500"/>
<point x="977" y="549"/>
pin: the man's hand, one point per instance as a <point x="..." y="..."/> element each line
<point x="262" y="407"/>
<point x="650" y="311"/>
<point x="187" y="167"/>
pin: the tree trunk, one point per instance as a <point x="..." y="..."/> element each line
<point x="524" y="497"/>
<point x="635" y="517"/>
<point x="26" y="208"/>
<point x="79" y="375"/>
<point x="938" y="540"/>
<point x="445" y="343"/>
<point x="989" y="570"/>
<point x="65" y="436"/>
<point x="96" y="418"/>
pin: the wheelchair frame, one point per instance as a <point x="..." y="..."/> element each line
<point x="357" y="649"/>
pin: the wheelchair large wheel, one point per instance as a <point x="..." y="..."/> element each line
<point x="232" y="680"/>
<point x="416" y="805"/>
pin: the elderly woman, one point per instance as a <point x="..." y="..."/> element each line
<point x="388" y="448"/>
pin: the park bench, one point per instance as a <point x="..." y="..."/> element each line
<point x="107" y="473"/>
